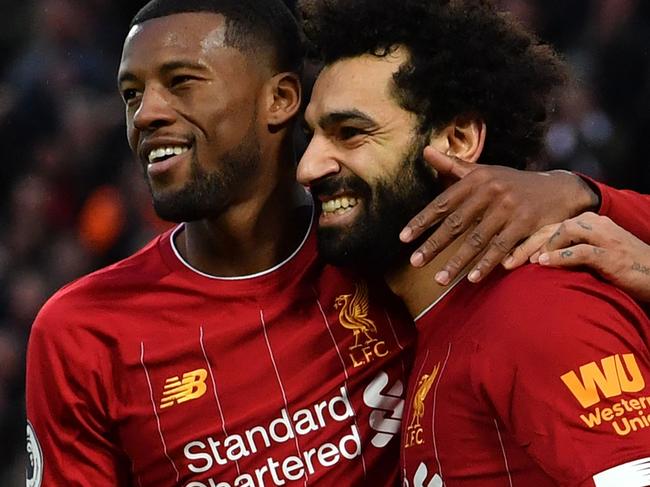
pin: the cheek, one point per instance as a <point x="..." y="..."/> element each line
<point x="132" y="136"/>
<point x="369" y="165"/>
<point x="231" y="128"/>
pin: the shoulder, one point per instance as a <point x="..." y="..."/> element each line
<point x="541" y="293"/>
<point x="548" y="312"/>
<point x="78" y="302"/>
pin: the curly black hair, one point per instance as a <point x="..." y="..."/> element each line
<point x="466" y="58"/>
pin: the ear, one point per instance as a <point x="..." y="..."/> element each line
<point x="463" y="138"/>
<point x="283" y="94"/>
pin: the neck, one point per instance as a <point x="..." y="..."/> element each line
<point x="253" y="234"/>
<point x="416" y="286"/>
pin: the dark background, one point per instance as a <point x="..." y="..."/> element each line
<point x="73" y="200"/>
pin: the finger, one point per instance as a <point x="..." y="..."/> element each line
<point x="469" y="216"/>
<point x="446" y="165"/>
<point x="500" y="246"/>
<point x="573" y="231"/>
<point x="483" y="236"/>
<point x="529" y="247"/>
<point x="451" y="227"/>
<point x="445" y="203"/>
<point x="576" y="255"/>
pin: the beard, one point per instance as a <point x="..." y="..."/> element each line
<point x="208" y="193"/>
<point x="372" y="241"/>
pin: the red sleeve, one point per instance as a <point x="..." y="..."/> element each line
<point x="69" y="435"/>
<point x="628" y="209"/>
<point x="568" y="375"/>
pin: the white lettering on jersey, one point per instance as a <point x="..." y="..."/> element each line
<point x="631" y="474"/>
<point x="207" y="455"/>
<point x="421" y="476"/>
<point x="34" y="474"/>
<point x="388" y="407"/>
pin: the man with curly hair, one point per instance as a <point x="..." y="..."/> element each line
<point x="535" y="377"/>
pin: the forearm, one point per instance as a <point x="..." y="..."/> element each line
<point x="627" y="208"/>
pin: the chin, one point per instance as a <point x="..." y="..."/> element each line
<point x="357" y="249"/>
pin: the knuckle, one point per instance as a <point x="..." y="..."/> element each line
<point x="500" y="244"/>
<point x="486" y="263"/>
<point x="454" y="223"/>
<point x="508" y="201"/>
<point x="441" y="204"/>
<point x="419" y="221"/>
<point x="476" y="240"/>
<point x="429" y="246"/>
<point x="455" y="264"/>
<point x="606" y="220"/>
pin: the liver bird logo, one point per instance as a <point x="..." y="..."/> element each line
<point x="353" y="314"/>
<point x="421" y="394"/>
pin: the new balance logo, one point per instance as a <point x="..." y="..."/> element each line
<point x="191" y="386"/>
<point x="615" y="375"/>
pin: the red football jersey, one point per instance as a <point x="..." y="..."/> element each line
<point x="627" y="208"/>
<point x="537" y="377"/>
<point x="150" y="373"/>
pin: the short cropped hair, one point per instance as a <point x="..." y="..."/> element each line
<point x="252" y="26"/>
<point x="466" y="59"/>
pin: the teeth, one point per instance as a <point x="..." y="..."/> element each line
<point x="339" y="205"/>
<point x="166" y="152"/>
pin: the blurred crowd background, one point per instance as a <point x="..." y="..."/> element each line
<point x="73" y="199"/>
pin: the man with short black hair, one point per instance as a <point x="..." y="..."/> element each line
<point x="224" y="353"/>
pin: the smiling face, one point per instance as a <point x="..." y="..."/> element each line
<point x="364" y="162"/>
<point x="191" y="112"/>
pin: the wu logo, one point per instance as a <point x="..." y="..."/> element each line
<point x="611" y="379"/>
<point x="191" y="386"/>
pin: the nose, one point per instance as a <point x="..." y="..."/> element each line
<point x="318" y="161"/>
<point x="154" y="110"/>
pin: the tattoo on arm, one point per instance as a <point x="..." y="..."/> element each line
<point x="641" y="268"/>
<point x="566" y="254"/>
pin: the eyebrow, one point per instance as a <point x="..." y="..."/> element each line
<point x="165" y="69"/>
<point x="337" y="117"/>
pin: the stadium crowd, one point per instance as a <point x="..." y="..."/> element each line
<point x="73" y="199"/>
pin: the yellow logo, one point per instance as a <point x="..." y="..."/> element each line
<point x="353" y="315"/>
<point x="178" y="391"/>
<point x="610" y="379"/>
<point x="414" y="432"/>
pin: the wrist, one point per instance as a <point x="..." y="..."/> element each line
<point x="584" y="195"/>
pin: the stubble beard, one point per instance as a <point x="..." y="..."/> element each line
<point x="208" y="194"/>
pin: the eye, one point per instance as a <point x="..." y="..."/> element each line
<point x="181" y="79"/>
<point x="347" y="132"/>
<point x="129" y="94"/>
